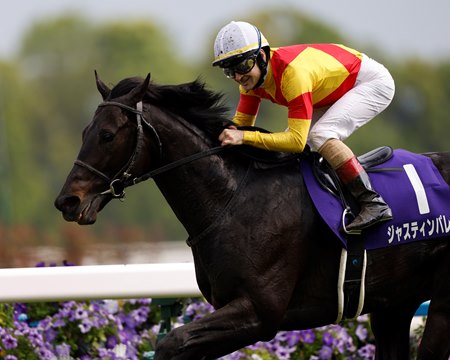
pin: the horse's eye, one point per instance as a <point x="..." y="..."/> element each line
<point x="106" y="136"/>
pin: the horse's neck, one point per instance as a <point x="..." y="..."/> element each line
<point x="198" y="191"/>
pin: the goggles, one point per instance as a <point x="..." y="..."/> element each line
<point x="246" y="65"/>
<point x="241" y="68"/>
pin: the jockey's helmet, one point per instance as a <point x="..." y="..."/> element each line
<point x="237" y="41"/>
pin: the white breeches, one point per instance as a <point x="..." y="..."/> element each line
<point x="372" y="93"/>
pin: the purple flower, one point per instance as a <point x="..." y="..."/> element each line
<point x="9" y="341"/>
<point x="116" y="332"/>
<point x="361" y="332"/>
<point x="363" y="318"/>
<point x="198" y="309"/>
<point x="292" y="338"/>
<point x="111" y="306"/>
<point x="343" y="341"/>
<point x="325" y="353"/>
<point x="327" y="338"/>
<point x="67" y="310"/>
<point x="103" y="321"/>
<point x="367" y="352"/>
<point x="271" y="346"/>
<point x="45" y="354"/>
<point x="140" y="315"/>
<point x="283" y="353"/>
<point x="50" y="334"/>
<point x="85" y="326"/>
<point x="58" y="322"/>
<point x="111" y="341"/>
<point x="63" y="350"/>
<point x="35" y="337"/>
<point x="19" y="308"/>
<point x="80" y="313"/>
<point x="10" y="357"/>
<point x="307" y="336"/>
<point x="103" y="353"/>
<point x="126" y="335"/>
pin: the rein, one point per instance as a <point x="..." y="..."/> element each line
<point x="123" y="178"/>
<point x="176" y="164"/>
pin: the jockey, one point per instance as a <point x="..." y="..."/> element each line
<point x="330" y="91"/>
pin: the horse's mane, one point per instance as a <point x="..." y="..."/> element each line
<point x="192" y="101"/>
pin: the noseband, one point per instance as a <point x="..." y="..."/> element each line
<point x="123" y="178"/>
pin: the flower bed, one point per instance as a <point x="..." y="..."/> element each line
<point x="128" y="330"/>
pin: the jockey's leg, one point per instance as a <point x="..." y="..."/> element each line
<point x="370" y="95"/>
<point x="373" y="209"/>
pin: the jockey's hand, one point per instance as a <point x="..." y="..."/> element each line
<point x="231" y="136"/>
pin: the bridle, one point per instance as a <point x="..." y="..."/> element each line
<point x="124" y="178"/>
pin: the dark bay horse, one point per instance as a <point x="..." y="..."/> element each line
<point x="264" y="258"/>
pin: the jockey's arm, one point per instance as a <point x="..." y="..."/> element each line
<point x="291" y="140"/>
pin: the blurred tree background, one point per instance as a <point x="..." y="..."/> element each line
<point x="48" y="95"/>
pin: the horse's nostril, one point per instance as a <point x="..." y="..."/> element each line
<point x="67" y="203"/>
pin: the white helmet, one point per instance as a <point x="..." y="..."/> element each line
<point x="235" y="41"/>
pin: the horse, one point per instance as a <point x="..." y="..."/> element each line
<point x="263" y="256"/>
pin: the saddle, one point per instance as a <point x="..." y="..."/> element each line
<point x="327" y="177"/>
<point x="323" y="173"/>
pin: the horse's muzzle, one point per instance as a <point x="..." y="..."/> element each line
<point x="83" y="212"/>
<point x="68" y="205"/>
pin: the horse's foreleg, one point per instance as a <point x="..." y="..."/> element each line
<point x="435" y="344"/>
<point x="391" y="329"/>
<point x="228" y="329"/>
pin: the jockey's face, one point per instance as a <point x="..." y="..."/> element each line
<point x="249" y="80"/>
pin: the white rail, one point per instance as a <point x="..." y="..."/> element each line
<point x="98" y="282"/>
<point x="166" y="280"/>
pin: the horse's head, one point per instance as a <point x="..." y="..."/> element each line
<point x="108" y="155"/>
<point x="121" y="148"/>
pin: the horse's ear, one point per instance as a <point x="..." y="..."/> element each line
<point x="138" y="93"/>
<point x="101" y="86"/>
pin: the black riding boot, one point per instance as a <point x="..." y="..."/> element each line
<point x="373" y="208"/>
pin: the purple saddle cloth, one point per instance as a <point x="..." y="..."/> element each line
<point x="414" y="189"/>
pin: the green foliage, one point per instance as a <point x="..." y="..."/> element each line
<point x="48" y="95"/>
<point x="6" y="315"/>
<point x="39" y="310"/>
<point x="285" y="27"/>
